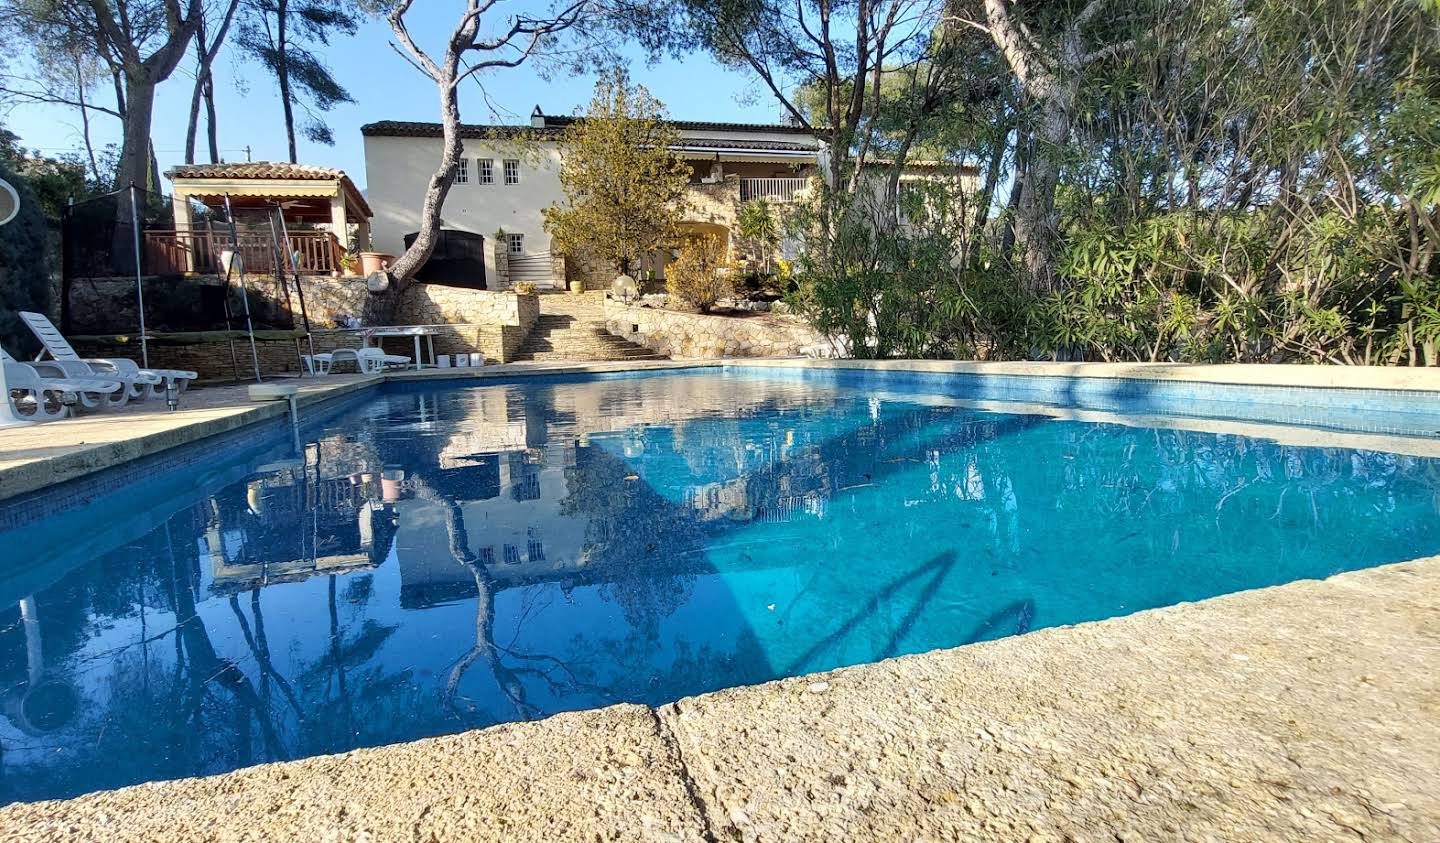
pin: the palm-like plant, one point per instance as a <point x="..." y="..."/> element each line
<point x="757" y="224"/>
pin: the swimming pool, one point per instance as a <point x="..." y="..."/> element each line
<point x="424" y="559"/>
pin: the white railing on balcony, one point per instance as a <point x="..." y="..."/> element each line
<point x="772" y="190"/>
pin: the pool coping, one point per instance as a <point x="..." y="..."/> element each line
<point x="154" y="433"/>
<point x="1303" y="711"/>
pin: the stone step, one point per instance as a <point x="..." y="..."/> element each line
<point x="571" y="326"/>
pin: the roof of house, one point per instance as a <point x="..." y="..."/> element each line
<point x="731" y="143"/>
<point x="408" y="129"/>
<point x="553" y="126"/>
<point x="254" y="170"/>
<point x="700" y="125"/>
<point x="272" y="170"/>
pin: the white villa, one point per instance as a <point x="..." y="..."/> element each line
<point x="508" y="174"/>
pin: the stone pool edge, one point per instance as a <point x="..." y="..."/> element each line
<point x="157" y="432"/>
<point x="1304" y="711"/>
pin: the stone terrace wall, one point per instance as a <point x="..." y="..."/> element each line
<point x="493" y="324"/>
<point x="436" y="304"/>
<point x="691" y="336"/>
<point x="107" y="305"/>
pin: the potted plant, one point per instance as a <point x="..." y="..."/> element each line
<point x="372" y="262"/>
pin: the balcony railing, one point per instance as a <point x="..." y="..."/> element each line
<point x="199" y="250"/>
<point x="772" y="190"/>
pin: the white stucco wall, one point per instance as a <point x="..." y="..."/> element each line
<point x="397" y="170"/>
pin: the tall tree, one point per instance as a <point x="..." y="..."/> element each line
<point x="61" y="66"/>
<point x="148" y="39"/>
<point x="474" y="46"/>
<point x="1049" y="60"/>
<point x="836" y="49"/>
<point x="624" y="187"/>
<point x="283" y="35"/>
<point x="206" y="49"/>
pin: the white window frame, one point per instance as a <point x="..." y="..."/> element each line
<point x="514" y="244"/>
<point x="462" y="171"/>
<point x="484" y="170"/>
<point x="512" y="165"/>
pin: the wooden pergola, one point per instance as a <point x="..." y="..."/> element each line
<point x="306" y="195"/>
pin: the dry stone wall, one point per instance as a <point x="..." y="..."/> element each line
<point x="490" y="323"/>
<point x="694" y="336"/>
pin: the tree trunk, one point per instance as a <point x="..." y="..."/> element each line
<point x="212" y="130"/>
<point x="85" y="123"/>
<point x="1037" y="226"/>
<point x="282" y="75"/>
<point x="135" y="144"/>
<point x="380" y="309"/>
<point x="133" y="168"/>
<point x="202" y="67"/>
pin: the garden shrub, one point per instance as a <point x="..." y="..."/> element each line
<point x="698" y="275"/>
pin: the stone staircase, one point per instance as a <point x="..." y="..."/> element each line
<point x="571" y="327"/>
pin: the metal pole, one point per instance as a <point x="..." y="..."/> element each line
<point x="244" y="296"/>
<point x="275" y="263"/>
<point x="139" y="284"/>
<point x="224" y="302"/>
<point x="295" y="265"/>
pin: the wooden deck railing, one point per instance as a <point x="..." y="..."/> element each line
<point x="772" y="190"/>
<point x="199" y="251"/>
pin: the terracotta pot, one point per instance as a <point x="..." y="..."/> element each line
<point x="371" y="262"/>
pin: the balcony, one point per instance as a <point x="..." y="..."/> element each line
<point x="198" y="251"/>
<point x="772" y="190"/>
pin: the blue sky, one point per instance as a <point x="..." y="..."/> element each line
<point x="386" y="88"/>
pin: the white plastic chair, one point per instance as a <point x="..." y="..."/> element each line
<point x="139" y="383"/>
<point x="368" y="361"/>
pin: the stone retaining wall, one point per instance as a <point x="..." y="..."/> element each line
<point x="475" y="321"/>
<point x="174" y="303"/>
<point x="691" y="336"/>
<point x="436" y="304"/>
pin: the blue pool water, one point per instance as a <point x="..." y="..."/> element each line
<point x="431" y="559"/>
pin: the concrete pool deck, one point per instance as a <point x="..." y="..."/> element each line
<point x="1304" y="712"/>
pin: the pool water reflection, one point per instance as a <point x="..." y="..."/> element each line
<point x="438" y="558"/>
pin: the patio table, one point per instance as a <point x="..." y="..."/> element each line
<point x="413" y="331"/>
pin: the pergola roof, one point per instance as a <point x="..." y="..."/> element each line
<point x="267" y="180"/>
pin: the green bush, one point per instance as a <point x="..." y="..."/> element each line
<point x="24" y="279"/>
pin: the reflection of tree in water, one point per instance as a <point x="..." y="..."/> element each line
<point x="640" y="544"/>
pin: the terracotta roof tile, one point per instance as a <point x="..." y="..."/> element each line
<point x="254" y="170"/>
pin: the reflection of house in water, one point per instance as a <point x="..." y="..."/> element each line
<point x="505" y="456"/>
<point x="510" y="496"/>
<point x="289" y="526"/>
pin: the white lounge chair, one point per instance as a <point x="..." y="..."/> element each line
<point x="38" y="396"/>
<point x="139" y="383"/>
<point x="368" y="361"/>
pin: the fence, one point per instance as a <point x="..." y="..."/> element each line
<point x="98" y="242"/>
<point x="773" y="190"/>
<point x="202" y="250"/>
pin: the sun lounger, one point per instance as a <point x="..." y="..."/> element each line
<point x="139" y="383"/>
<point x="41" y="393"/>
<point x="367" y="360"/>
